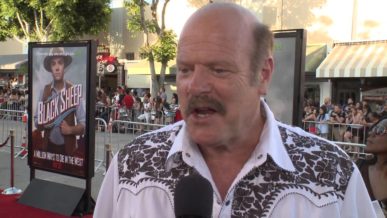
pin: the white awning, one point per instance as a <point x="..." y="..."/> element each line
<point x="139" y="81"/>
<point x="355" y="59"/>
<point x="12" y="62"/>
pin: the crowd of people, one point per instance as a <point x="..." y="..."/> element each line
<point x="128" y="105"/>
<point x="344" y="123"/>
<point x="13" y="98"/>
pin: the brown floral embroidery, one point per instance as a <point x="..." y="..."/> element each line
<point x="144" y="160"/>
<point x="317" y="163"/>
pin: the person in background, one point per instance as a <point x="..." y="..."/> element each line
<point x="162" y="94"/>
<point x="256" y="166"/>
<point x="374" y="171"/>
<point x="174" y="105"/>
<point x="2" y="96"/>
<point x="146" y="111"/>
<point x="322" y="119"/>
<point x="328" y="104"/>
<point x="337" y="117"/>
<point x="354" y="119"/>
<point x="309" y="119"/>
<point x="384" y="112"/>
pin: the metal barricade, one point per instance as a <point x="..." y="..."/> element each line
<point x="12" y="119"/>
<point x="101" y="135"/>
<point x="122" y="132"/>
<point x="350" y="137"/>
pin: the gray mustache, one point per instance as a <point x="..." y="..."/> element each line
<point x="204" y="101"/>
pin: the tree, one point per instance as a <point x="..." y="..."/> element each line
<point x="164" y="49"/>
<point x="44" y="20"/>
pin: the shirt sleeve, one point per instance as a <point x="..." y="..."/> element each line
<point x="107" y="196"/>
<point x="357" y="202"/>
<point x="81" y="113"/>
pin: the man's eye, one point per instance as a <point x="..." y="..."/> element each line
<point x="183" y="70"/>
<point x="219" y="70"/>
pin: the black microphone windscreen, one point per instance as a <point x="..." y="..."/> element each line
<point x="193" y="197"/>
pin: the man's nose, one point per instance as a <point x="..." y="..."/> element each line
<point x="200" y="81"/>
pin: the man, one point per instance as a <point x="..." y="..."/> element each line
<point x="328" y="104"/>
<point x="162" y="94"/>
<point x="127" y="104"/>
<point x="347" y="108"/>
<point x="60" y="114"/>
<point x="384" y="111"/>
<point x="257" y="166"/>
<point x="337" y="117"/>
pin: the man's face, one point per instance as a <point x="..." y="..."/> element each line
<point x="146" y="99"/>
<point x="57" y="68"/>
<point x="216" y="96"/>
<point x="337" y="109"/>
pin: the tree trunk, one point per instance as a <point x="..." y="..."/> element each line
<point x="162" y="73"/>
<point x="154" y="83"/>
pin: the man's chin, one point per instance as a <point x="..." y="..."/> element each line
<point x="200" y="134"/>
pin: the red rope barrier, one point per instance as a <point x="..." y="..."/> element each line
<point x="2" y="145"/>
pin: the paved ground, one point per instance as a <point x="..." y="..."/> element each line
<point x="22" y="173"/>
<point x="22" y="170"/>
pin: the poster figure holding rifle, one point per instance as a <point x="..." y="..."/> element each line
<point x="59" y="116"/>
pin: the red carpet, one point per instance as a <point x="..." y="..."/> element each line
<point x="10" y="208"/>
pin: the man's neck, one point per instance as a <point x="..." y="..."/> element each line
<point x="225" y="162"/>
<point x="59" y="85"/>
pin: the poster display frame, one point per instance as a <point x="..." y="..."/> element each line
<point x="82" y="55"/>
<point x="286" y="91"/>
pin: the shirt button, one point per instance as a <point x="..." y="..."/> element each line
<point x="187" y="154"/>
<point x="227" y="202"/>
<point x="218" y="202"/>
<point x="260" y="156"/>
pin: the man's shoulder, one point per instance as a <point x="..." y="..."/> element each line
<point x="142" y="163"/>
<point x="161" y="134"/>
<point x="297" y="140"/>
<point x="321" y="175"/>
<point x="317" y="160"/>
<point x="156" y="142"/>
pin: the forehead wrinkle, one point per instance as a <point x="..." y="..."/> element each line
<point x="195" y="48"/>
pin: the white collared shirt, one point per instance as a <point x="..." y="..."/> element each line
<point x="291" y="173"/>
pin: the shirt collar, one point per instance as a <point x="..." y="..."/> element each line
<point x="181" y="140"/>
<point x="52" y="85"/>
<point x="270" y="143"/>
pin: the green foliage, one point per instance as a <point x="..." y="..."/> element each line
<point x="135" y="20"/>
<point x="42" y="20"/>
<point x="165" y="48"/>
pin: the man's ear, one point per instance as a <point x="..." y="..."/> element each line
<point x="265" y="75"/>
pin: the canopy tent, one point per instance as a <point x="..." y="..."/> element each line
<point x="355" y="59"/>
<point x="315" y="54"/>
<point x="12" y="62"/>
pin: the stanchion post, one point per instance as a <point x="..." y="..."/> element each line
<point x="12" y="135"/>
<point x="12" y="190"/>
<point x="108" y="155"/>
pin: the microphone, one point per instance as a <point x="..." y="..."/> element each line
<point x="193" y="197"/>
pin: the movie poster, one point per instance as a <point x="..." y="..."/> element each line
<point x="58" y="125"/>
